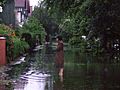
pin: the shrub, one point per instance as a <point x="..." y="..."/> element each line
<point x="20" y="46"/>
<point x="33" y="27"/>
<point x="15" y="46"/>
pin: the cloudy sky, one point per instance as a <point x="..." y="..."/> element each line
<point x="34" y="2"/>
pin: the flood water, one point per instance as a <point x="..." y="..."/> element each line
<point x="82" y="72"/>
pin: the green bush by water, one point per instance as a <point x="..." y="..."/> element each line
<point x="15" y="46"/>
<point x="33" y="27"/>
<point x="19" y="46"/>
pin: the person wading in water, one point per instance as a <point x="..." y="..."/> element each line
<point x="59" y="58"/>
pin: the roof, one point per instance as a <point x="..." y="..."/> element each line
<point x="20" y="3"/>
<point x="23" y="3"/>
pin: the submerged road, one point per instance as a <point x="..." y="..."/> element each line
<point x="37" y="72"/>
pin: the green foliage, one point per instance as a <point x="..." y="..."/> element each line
<point x="41" y="15"/>
<point x="5" y="29"/>
<point x="48" y="22"/>
<point x="74" y="21"/>
<point x="2" y="1"/>
<point x="91" y="18"/>
<point x="19" y="46"/>
<point x="33" y="27"/>
<point x="14" y="45"/>
<point x="77" y="26"/>
<point x="104" y="16"/>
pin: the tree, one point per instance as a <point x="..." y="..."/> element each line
<point x="75" y="12"/>
<point x="104" y="21"/>
<point x="92" y="18"/>
<point x="33" y="27"/>
<point x="48" y="22"/>
<point x="1" y="1"/>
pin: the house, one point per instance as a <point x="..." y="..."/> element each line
<point x="15" y="12"/>
<point x="22" y="10"/>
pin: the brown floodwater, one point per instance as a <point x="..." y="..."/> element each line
<point x="81" y="72"/>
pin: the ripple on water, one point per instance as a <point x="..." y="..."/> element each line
<point x="32" y="80"/>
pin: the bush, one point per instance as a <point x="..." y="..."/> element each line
<point x="33" y="27"/>
<point x="15" y="46"/>
<point x="20" y="46"/>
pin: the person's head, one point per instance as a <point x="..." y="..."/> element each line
<point x="59" y="38"/>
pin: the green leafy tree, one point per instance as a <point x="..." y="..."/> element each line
<point x="48" y="23"/>
<point x="96" y="19"/>
<point x="104" y="21"/>
<point x="75" y="12"/>
<point x="1" y="1"/>
<point x="33" y="27"/>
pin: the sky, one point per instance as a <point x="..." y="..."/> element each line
<point x="34" y="2"/>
